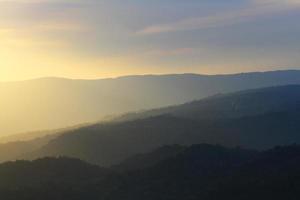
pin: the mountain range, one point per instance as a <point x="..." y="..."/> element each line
<point x="256" y="118"/>
<point x="53" y="103"/>
<point x="240" y="144"/>
<point x="197" y="172"/>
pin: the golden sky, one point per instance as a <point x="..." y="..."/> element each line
<point x="108" y="38"/>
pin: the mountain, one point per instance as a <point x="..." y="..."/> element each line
<point x="14" y="146"/>
<point x="48" y="170"/>
<point x="232" y="105"/>
<point x="48" y="178"/>
<point x="51" y="103"/>
<point x="258" y="119"/>
<point x="43" y="134"/>
<point x="13" y="150"/>
<point x="198" y="172"/>
<point x="147" y="160"/>
<point x="214" y="172"/>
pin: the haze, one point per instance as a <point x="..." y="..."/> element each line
<point x="91" y="39"/>
<point x="149" y="99"/>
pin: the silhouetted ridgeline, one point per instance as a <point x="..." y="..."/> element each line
<point x="208" y="172"/>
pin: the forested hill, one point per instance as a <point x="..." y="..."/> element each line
<point x="208" y="172"/>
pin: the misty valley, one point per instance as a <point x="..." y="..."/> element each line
<point x="149" y="100"/>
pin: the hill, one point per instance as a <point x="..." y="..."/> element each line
<point x="198" y="172"/>
<point x="147" y="160"/>
<point x="231" y="105"/>
<point x="214" y="172"/>
<point x="52" y="103"/>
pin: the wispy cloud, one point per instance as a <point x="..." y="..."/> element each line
<point x="289" y="2"/>
<point x="38" y="23"/>
<point x="171" y="52"/>
<point x="256" y="8"/>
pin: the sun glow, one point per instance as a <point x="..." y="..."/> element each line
<point x="99" y="39"/>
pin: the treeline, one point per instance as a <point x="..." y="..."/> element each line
<point x="175" y="172"/>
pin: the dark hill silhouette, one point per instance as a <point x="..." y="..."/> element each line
<point x="198" y="172"/>
<point x="49" y="103"/>
<point x="213" y="172"/>
<point x="147" y="160"/>
<point x="48" y="170"/>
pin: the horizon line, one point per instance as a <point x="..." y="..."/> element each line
<point x="144" y="75"/>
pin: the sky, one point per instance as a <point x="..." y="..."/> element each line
<point x="91" y="39"/>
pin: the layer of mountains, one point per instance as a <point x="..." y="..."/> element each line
<point x="189" y="137"/>
<point x="208" y="172"/>
<point x="255" y="119"/>
<point x="54" y="103"/>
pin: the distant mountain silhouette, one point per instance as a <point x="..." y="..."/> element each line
<point x="232" y="105"/>
<point x="147" y="160"/>
<point x="48" y="170"/>
<point x="27" y="136"/>
<point x="257" y="119"/>
<point x="198" y="172"/>
<point x="52" y="103"/>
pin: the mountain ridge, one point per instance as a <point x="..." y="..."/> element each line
<point x="44" y="104"/>
<point x="264" y="118"/>
<point x="201" y="171"/>
<point x="156" y="75"/>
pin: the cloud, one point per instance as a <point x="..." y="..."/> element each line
<point x="289" y="2"/>
<point x="38" y="22"/>
<point x="29" y="1"/>
<point x="171" y="52"/>
<point x="256" y="8"/>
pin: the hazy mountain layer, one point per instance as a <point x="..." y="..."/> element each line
<point x="229" y="106"/>
<point x="257" y="119"/>
<point x="52" y="103"/>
